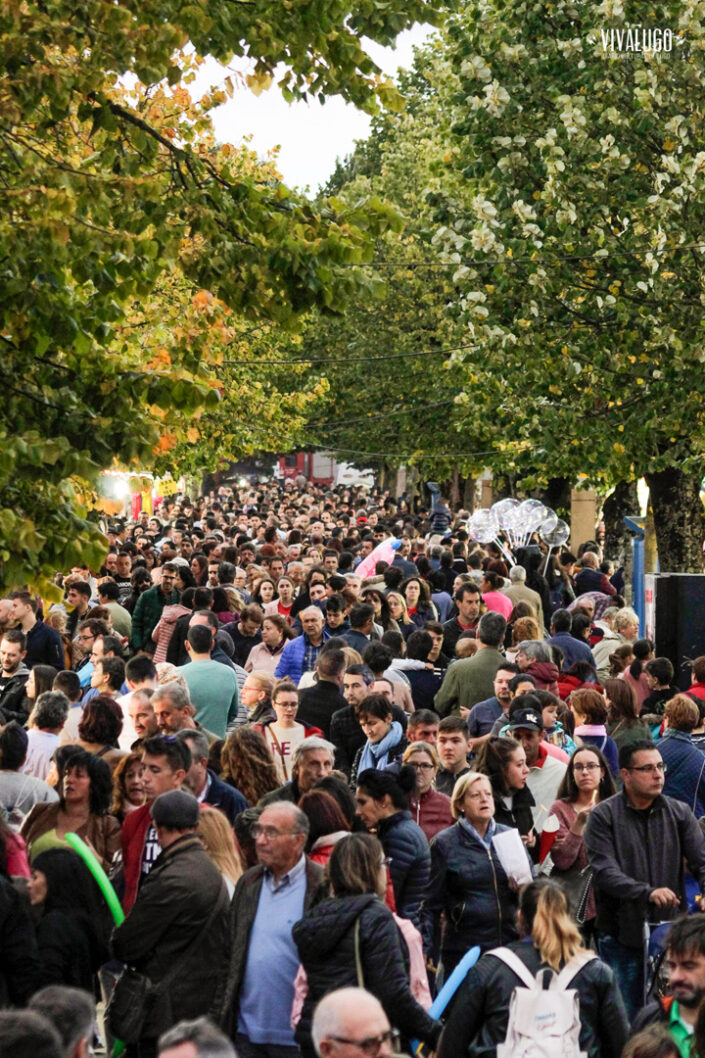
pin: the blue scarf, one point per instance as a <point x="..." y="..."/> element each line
<point x="374" y="754"/>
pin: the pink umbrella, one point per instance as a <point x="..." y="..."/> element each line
<point x="384" y="552"/>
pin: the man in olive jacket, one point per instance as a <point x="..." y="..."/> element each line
<point x="268" y="900"/>
<point x="471" y="680"/>
<point x="177" y="930"/>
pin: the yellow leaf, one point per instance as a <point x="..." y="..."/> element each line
<point x="259" y="82"/>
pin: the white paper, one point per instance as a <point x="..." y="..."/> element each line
<point x="512" y="855"/>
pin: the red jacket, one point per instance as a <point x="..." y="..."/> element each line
<point x="132" y="838"/>
<point x="432" y="812"/>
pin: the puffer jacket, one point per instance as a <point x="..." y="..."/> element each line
<point x="406" y="847"/>
<point x="480" y="1014"/>
<point x="431" y="811"/>
<point x="325" y="938"/>
<point x="469" y="885"/>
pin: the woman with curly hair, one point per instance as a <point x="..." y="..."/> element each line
<point x="247" y="764"/>
<point x="99" y="729"/>
<point x="128" y="788"/>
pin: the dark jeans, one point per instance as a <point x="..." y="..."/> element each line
<point x="628" y="966"/>
<point x="246" y="1049"/>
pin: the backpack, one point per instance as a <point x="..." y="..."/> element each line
<point x="544" y="1013"/>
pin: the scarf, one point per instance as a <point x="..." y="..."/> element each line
<point x="375" y="754"/>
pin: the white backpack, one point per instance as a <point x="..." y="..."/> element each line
<point x="543" y="1022"/>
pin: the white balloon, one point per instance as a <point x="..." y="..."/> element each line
<point x="484" y="525"/>
<point x="558" y="535"/>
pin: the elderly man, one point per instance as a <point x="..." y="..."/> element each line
<point x="301" y="654"/>
<point x="174" y="711"/>
<point x="313" y="761"/>
<point x="204" y="784"/>
<point x="267" y="901"/>
<point x="351" y="1023"/>
<point x="518" y="592"/>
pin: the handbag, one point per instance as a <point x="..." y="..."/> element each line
<point x="134" y="996"/>
<point x="576" y="883"/>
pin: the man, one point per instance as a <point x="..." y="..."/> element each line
<point x="685" y="966"/>
<point x="545" y="771"/>
<point x="123" y="569"/>
<point x="453" y="746"/>
<point x="166" y="761"/>
<point x="149" y="606"/>
<point x="589" y="577"/>
<point x="436" y="631"/>
<point x="362" y="618"/>
<point x="18" y="792"/>
<point x="204" y="784"/>
<point x="380" y="658"/>
<point x="351" y="1023"/>
<point x="636" y="842"/>
<point x="268" y="900"/>
<point x="174" y="712"/>
<point x="301" y="654"/>
<point x="88" y="631"/>
<point x="201" y="604"/>
<point x="48" y="718"/>
<point x="108" y="598"/>
<point x="140" y="675"/>
<point x="72" y="1013"/>
<point x="518" y="592"/>
<point x="78" y="598"/>
<point x="312" y="761"/>
<point x="13" y="675"/>
<point x="195" y="1039"/>
<point x="44" y="646"/>
<point x="471" y="680"/>
<point x="212" y="687"/>
<point x="318" y="703"/>
<point x="571" y="648"/>
<point x="246" y="633"/>
<point x="685" y="777"/>
<point x="345" y="731"/>
<point x="423" y="726"/>
<point x="468" y="601"/>
<point x="482" y="716"/>
<point x="330" y="560"/>
<point x="176" y="932"/>
<point x="141" y="716"/>
<point x="28" y="1034"/>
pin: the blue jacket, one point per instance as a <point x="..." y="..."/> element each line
<point x="685" y="777"/>
<point x="225" y="797"/>
<point x="44" y="647"/>
<point x="291" y="660"/>
<point x="573" y="649"/>
<point x="406" y="846"/>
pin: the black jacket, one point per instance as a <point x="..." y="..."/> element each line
<point x="393" y="758"/>
<point x="172" y="908"/>
<point x="325" y="938"/>
<point x="520" y="814"/>
<point x="70" y="950"/>
<point x="452" y="633"/>
<point x="19" y="959"/>
<point x="406" y="846"/>
<point x="225" y="797"/>
<point x="12" y="697"/>
<point x="44" y="647"/>
<point x="318" y="703"/>
<point x="469" y="885"/>
<point x="480" y="1012"/>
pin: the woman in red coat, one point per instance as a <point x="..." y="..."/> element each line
<point x="429" y="808"/>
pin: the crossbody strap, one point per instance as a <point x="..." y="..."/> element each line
<point x="280" y="751"/>
<point x="510" y="959"/>
<point x="358" y="960"/>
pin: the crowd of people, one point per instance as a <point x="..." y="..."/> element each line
<point x="324" y="743"/>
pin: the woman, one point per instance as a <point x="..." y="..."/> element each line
<point x="385" y="736"/>
<point x="164" y="628"/>
<point x="327" y="824"/>
<point x="554" y="732"/>
<point x="586" y="782"/>
<point x="217" y="839"/>
<point x="41" y="679"/>
<point x="383" y="618"/>
<point x="621" y="659"/>
<point x="503" y="761"/>
<point x="69" y="936"/>
<point x="13" y="851"/>
<point x="479" y="1016"/>
<point x="590" y="711"/>
<point x="624" y="724"/>
<point x="128" y="787"/>
<point x="199" y="569"/>
<point x="99" y="729"/>
<point x="382" y="804"/>
<point x="659" y="673"/>
<point x="282" y="605"/>
<point x="352" y="939"/>
<point x="85" y="789"/>
<point x="283" y="734"/>
<point x="580" y="674"/>
<point x="264" y="657"/>
<point x="256" y="694"/>
<point x="247" y="764"/>
<point x="635" y="675"/>
<point x="469" y="885"/>
<point x="399" y="613"/>
<point x="417" y="596"/>
<point x="265" y="590"/>
<point x="429" y="807"/>
<point x="522" y="629"/>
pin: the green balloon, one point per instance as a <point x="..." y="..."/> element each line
<point x="102" y="880"/>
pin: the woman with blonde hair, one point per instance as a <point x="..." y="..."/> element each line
<point x="247" y="764"/>
<point x="256" y="694"/>
<point x="216" y="836"/>
<point x="428" y="806"/>
<point x="479" y="1016"/>
<point x="399" y="613"/>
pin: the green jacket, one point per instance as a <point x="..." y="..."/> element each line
<point x="468" y="681"/>
<point x="146" y="616"/>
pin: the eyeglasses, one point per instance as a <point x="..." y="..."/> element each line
<point x="419" y="765"/>
<point x="652" y="769"/>
<point x="269" y="833"/>
<point x="586" y="767"/>
<point x="371" y="1045"/>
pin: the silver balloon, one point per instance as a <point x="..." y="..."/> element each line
<point x="557" y="536"/>
<point x="548" y="524"/>
<point x="484" y="526"/>
<point x="503" y="511"/>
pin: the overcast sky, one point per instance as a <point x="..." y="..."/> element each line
<point x="310" y="136"/>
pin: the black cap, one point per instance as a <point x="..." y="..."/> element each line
<point x="176" y="810"/>
<point x="528" y="719"/>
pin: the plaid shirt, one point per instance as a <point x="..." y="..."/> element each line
<point x="311" y="654"/>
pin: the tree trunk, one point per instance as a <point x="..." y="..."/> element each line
<point x="556" y="495"/>
<point x="679" y="520"/>
<point x="620" y="503"/>
<point x="469" y="493"/>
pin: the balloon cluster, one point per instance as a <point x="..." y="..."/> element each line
<point x="517" y="522"/>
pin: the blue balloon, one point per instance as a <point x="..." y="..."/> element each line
<point x="450" y="988"/>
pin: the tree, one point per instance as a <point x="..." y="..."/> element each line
<point x="109" y="178"/>
<point x="571" y="220"/>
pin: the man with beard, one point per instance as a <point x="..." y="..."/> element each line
<point x="685" y="964"/>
